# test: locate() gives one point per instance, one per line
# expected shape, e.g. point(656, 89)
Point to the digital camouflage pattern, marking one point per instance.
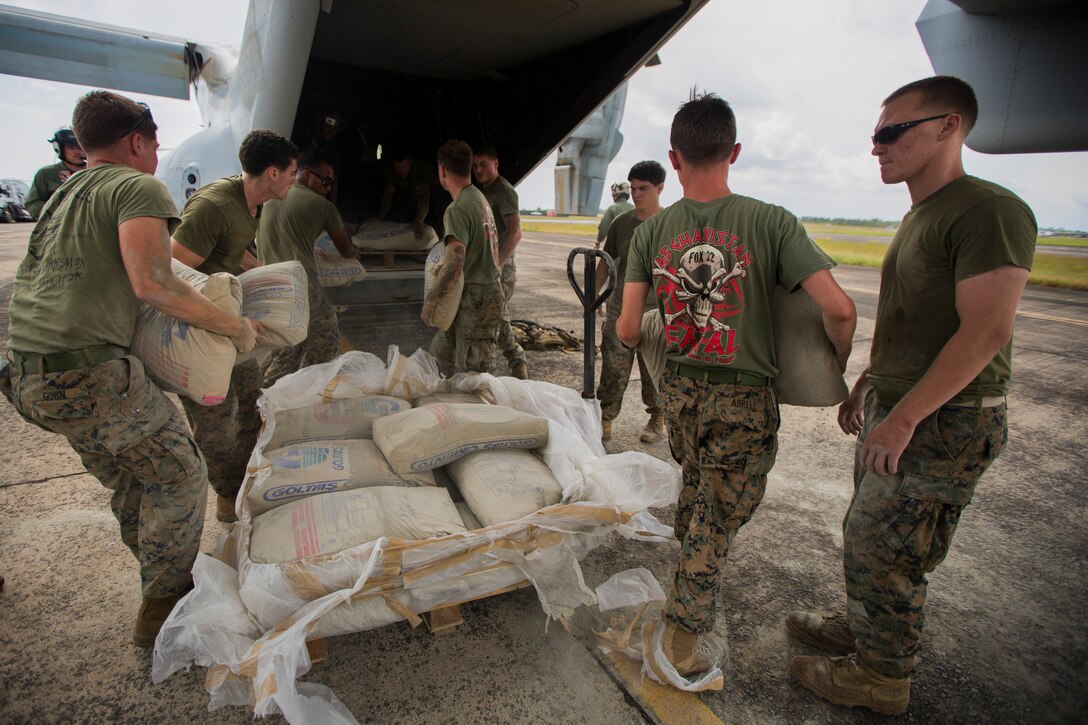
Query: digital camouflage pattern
point(469, 343)
point(725, 438)
point(133, 440)
point(507, 342)
point(227, 433)
point(322, 341)
point(899, 527)
point(616, 362)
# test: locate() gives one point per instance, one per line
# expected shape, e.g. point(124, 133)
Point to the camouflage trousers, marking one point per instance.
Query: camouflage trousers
point(469, 343)
point(507, 342)
point(899, 527)
point(227, 433)
point(725, 438)
point(133, 440)
point(322, 341)
point(616, 363)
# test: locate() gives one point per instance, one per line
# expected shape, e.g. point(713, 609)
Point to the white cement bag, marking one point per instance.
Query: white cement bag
point(424, 438)
point(275, 296)
point(652, 345)
point(393, 236)
point(324, 466)
point(333, 270)
point(448, 398)
point(334, 522)
point(445, 307)
point(467, 517)
point(505, 485)
point(188, 360)
point(337, 418)
point(808, 373)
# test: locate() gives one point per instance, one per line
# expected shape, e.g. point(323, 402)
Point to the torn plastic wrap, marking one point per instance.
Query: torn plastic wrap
point(249, 622)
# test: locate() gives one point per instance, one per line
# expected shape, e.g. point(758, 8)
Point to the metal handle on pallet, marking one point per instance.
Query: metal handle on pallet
point(590, 303)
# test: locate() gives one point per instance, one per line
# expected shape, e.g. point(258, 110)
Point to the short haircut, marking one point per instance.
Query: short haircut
point(486, 150)
point(945, 93)
point(102, 118)
point(456, 156)
point(704, 130)
point(262, 148)
point(311, 157)
point(647, 171)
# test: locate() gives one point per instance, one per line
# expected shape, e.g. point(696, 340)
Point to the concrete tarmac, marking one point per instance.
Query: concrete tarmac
point(1006, 635)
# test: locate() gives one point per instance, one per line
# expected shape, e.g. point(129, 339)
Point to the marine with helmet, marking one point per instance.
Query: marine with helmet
point(621, 195)
point(49, 178)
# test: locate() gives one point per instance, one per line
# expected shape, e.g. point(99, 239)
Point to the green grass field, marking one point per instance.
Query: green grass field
point(1064, 241)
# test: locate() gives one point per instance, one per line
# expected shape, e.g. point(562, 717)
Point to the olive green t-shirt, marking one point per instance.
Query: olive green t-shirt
point(419, 178)
point(469, 220)
point(288, 228)
point(966, 228)
point(609, 214)
point(45, 184)
point(714, 267)
point(616, 243)
point(71, 290)
point(504, 201)
point(217, 225)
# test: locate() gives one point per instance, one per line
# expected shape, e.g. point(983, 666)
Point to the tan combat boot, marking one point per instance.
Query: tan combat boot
point(520, 371)
point(654, 430)
point(606, 429)
point(847, 681)
point(153, 612)
point(224, 510)
point(830, 633)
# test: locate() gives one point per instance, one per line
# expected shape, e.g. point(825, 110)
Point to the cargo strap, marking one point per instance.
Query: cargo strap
point(716, 375)
point(24, 363)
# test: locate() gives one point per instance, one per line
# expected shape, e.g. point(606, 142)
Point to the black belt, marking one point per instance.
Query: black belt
point(30, 362)
point(716, 375)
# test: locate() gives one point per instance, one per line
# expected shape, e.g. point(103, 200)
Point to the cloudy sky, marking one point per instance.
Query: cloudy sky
point(805, 79)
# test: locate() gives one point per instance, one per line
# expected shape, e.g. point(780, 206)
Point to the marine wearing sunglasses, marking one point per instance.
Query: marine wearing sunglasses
point(891, 133)
point(326, 181)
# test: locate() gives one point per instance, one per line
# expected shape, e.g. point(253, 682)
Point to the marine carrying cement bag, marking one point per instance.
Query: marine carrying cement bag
point(446, 306)
point(323, 466)
point(808, 373)
point(504, 485)
point(424, 438)
point(333, 270)
point(333, 522)
point(393, 237)
point(338, 418)
point(187, 360)
point(275, 296)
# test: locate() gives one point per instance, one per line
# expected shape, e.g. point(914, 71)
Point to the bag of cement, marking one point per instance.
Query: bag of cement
point(504, 485)
point(333, 522)
point(412, 376)
point(275, 296)
point(424, 438)
point(467, 517)
point(808, 373)
point(188, 360)
point(333, 270)
point(324, 466)
point(433, 398)
point(652, 345)
point(337, 418)
point(445, 307)
point(393, 237)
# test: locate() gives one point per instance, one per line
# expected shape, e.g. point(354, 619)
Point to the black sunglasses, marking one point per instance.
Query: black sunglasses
point(144, 117)
point(326, 181)
point(891, 134)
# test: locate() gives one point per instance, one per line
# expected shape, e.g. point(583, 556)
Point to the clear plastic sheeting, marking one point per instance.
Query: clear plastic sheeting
point(248, 622)
point(630, 588)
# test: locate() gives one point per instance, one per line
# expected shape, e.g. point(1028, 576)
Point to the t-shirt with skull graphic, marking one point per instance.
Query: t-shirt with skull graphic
point(714, 267)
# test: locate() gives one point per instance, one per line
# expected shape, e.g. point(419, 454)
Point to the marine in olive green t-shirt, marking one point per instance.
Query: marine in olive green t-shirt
point(45, 184)
point(609, 215)
point(967, 228)
point(617, 244)
point(714, 267)
point(469, 220)
point(216, 225)
point(503, 198)
point(71, 290)
point(288, 228)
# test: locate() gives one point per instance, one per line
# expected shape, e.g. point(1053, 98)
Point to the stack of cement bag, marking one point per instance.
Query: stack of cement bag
point(197, 363)
point(333, 270)
point(378, 492)
point(384, 236)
